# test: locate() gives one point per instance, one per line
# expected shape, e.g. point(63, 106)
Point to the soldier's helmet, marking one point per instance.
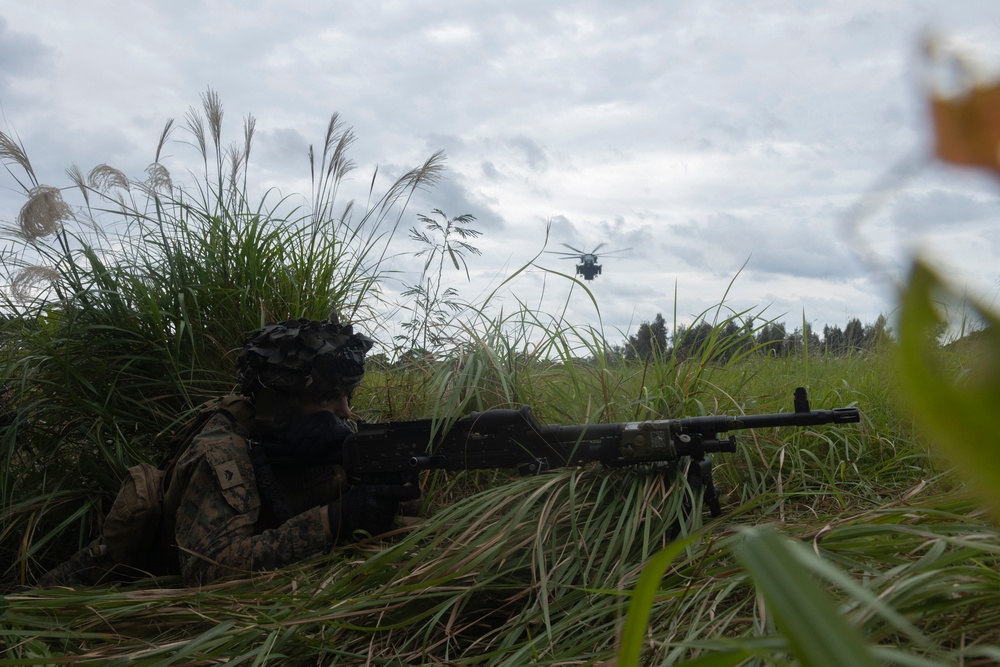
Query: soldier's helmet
point(309, 358)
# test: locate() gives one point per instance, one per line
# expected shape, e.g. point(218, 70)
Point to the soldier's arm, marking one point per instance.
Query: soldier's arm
point(220, 506)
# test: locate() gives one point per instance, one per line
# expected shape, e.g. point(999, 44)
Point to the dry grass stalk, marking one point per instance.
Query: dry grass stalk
point(213, 110)
point(12, 151)
point(164, 135)
point(25, 285)
point(159, 178)
point(80, 181)
point(43, 213)
point(104, 177)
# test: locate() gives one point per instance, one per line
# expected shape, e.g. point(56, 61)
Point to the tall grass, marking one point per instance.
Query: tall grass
point(539, 570)
point(124, 313)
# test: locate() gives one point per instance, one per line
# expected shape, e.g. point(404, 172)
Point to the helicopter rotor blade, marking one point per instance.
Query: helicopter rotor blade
point(612, 252)
point(599, 246)
point(579, 252)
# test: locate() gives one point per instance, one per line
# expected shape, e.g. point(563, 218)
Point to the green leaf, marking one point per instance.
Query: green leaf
point(804, 614)
point(959, 414)
point(637, 619)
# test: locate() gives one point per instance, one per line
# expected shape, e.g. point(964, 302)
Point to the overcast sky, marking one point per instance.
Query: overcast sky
point(702, 134)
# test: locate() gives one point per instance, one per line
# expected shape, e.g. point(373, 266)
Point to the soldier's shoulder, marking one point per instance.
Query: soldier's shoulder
point(218, 435)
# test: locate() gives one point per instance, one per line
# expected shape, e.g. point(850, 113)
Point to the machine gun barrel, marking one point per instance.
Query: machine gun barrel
point(721, 424)
point(516, 439)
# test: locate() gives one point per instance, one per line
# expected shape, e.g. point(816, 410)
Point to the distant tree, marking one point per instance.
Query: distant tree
point(772, 339)
point(691, 341)
point(876, 334)
point(730, 340)
point(378, 361)
point(649, 341)
point(798, 341)
point(811, 339)
point(833, 340)
point(658, 333)
point(815, 343)
point(747, 342)
point(640, 346)
point(735, 337)
point(613, 354)
point(854, 336)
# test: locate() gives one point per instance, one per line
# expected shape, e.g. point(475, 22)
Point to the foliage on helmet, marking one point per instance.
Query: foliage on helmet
point(303, 357)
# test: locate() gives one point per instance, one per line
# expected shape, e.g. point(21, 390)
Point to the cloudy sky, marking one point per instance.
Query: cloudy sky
point(705, 135)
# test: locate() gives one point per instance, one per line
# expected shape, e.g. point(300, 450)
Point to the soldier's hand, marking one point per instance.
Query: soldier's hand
point(369, 507)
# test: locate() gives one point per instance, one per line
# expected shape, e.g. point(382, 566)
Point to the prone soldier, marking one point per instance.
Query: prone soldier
point(255, 488)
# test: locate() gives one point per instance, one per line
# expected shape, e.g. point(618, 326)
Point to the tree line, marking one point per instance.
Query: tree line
point(741, 337)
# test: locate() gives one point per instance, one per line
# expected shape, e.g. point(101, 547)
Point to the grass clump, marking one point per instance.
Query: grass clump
point(124, 313)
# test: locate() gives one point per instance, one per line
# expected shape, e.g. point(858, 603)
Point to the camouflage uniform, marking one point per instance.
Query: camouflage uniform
point(235, 517)
point(224, 524)
point(90, 566)
point(224, 527)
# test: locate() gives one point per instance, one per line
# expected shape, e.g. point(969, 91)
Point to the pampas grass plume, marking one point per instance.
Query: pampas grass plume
point(43, 213)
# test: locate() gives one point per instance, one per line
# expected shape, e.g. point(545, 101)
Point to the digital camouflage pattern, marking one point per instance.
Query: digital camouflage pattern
point(223, 526)
point(220, 515)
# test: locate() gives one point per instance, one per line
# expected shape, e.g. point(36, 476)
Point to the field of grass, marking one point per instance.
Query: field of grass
point(542, 570)
point(858, 544)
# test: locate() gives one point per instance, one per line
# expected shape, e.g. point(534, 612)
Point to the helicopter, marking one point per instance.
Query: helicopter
point(588, 266)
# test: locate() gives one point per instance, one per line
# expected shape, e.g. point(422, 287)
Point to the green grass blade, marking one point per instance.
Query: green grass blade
point(962, 415)
point(643, 595)
point(805, 615)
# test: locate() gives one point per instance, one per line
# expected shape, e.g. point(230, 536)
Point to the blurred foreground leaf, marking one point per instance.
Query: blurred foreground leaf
point(643, 596)
point(967, 128)
point(960, 414)
point(805, 616)
point(967, 125)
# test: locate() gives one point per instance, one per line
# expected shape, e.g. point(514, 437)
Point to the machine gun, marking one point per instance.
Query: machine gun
point(515, 439)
